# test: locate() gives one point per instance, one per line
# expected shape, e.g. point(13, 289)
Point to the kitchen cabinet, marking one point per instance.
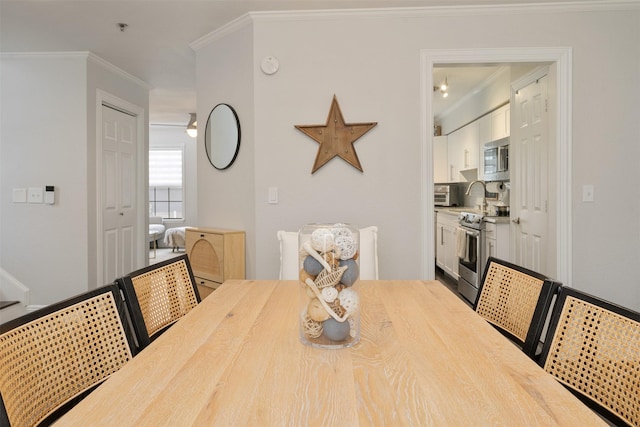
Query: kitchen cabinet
point(463, 153)
point(440, 162)
point(446, 257)
point(485, 129)
point(215, 255)
point(491, 127)
point(485, 134)
point(496, 241)
point(501, 122)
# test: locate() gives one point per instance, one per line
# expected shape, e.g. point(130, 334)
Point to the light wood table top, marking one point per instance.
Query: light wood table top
point(425, 358)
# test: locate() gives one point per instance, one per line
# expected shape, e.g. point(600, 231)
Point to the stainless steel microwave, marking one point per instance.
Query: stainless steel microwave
point(496, 160)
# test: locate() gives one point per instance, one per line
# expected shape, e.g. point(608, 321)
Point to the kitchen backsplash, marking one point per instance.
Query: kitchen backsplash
point(474, 199)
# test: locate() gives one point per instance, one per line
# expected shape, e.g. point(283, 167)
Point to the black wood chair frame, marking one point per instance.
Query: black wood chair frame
point(543, 303)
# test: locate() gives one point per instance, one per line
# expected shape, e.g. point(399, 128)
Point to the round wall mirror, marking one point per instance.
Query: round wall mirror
point(222, 136)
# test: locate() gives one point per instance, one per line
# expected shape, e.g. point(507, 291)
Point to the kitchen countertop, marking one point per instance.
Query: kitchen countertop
point(455, 210)
point(496, 219)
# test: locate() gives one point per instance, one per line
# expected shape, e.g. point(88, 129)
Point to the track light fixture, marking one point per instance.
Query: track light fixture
point(443, 88)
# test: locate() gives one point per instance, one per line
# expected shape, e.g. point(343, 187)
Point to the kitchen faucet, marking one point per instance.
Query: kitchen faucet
point(484, 194)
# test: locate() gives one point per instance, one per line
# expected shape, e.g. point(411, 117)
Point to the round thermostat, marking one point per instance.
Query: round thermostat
point(269, 65)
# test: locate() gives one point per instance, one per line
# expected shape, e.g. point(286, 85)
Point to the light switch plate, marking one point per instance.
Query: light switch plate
point(35, 194)
point(19, 195)
point(273, 196)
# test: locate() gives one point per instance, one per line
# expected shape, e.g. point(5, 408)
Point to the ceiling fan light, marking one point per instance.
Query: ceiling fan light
point(192, 126)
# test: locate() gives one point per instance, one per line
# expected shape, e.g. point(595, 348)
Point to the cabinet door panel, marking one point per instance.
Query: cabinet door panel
point(207, 257)
point(205, 287)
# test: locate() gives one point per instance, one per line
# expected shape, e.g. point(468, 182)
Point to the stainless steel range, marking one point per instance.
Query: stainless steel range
point(469, 247)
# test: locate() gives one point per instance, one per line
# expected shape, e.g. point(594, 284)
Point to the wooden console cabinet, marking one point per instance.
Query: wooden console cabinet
point(215, 256)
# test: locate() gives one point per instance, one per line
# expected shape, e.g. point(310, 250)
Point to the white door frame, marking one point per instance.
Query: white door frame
point(105, 98)
point(562, 57)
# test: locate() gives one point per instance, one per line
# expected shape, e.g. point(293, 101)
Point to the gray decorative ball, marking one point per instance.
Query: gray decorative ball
point(334, 330)
point(351, 274)
point(312, 266)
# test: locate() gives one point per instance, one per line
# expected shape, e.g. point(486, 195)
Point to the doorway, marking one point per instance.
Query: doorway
point(108, 263)
point(561, 60)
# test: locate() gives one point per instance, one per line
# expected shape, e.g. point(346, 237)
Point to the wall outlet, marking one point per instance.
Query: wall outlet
point(35, 194)
point(587, 193)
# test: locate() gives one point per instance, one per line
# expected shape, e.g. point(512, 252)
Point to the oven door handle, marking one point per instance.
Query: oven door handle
point(473, 233)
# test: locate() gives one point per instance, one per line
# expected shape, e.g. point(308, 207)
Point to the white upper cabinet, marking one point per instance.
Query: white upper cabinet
point(500, 118)
point(492, 126)
point(485, 131)
point(463, 153)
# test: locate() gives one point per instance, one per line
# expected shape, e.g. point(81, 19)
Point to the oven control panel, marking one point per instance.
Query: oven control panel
point(471, 220)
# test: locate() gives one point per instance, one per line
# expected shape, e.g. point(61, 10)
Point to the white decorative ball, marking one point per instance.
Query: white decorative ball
point(349, 299)
point(348, 246)
point(329, 294)
point(322, 240)
point(340, 229)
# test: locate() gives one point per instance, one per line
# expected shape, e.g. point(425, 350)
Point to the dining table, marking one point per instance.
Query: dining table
point(425, 358)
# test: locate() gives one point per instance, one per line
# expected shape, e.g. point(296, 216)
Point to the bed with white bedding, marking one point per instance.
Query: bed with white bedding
point(174, 238)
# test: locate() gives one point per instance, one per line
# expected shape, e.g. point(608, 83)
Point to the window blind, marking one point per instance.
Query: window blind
point(165, 168)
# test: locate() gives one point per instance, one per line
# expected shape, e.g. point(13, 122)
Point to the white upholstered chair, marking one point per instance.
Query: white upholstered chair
point(289, 254)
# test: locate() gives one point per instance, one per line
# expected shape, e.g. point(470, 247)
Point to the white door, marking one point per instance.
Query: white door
point(529, 165)
point(119, 145)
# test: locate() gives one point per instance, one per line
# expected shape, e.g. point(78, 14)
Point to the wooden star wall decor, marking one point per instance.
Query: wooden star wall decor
point(336, 137)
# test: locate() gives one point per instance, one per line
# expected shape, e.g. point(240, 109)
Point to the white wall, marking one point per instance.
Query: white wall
point(375, 75)
point(47, 137)
point(44, 143)
point(224, 74)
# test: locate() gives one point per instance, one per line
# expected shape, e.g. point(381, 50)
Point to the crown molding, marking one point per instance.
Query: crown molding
point(408, 12)
point(414, 12)
point(229, 28)
point(89, 56)
point(117, 70)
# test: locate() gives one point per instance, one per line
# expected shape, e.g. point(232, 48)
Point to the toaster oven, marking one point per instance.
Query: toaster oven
point(445, 195)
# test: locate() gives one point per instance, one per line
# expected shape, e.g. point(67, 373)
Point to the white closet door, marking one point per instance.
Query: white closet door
point(119, 212)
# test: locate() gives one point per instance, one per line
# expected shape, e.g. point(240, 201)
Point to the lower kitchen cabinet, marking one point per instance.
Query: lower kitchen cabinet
point(215, 255)
point(496, 241)
point(446, 257)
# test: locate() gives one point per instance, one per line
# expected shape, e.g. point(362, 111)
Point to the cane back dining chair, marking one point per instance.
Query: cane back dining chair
point(53, 357)
point(159, 295)
point(516, 301)
point(593, 348)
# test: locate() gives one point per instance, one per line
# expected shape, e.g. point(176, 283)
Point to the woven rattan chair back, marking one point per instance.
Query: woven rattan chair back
point(593, 348)
point(516, 301)
point(159, 295)
point(51, 358)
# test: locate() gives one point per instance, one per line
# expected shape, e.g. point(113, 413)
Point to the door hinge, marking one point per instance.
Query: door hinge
point(546, 105)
